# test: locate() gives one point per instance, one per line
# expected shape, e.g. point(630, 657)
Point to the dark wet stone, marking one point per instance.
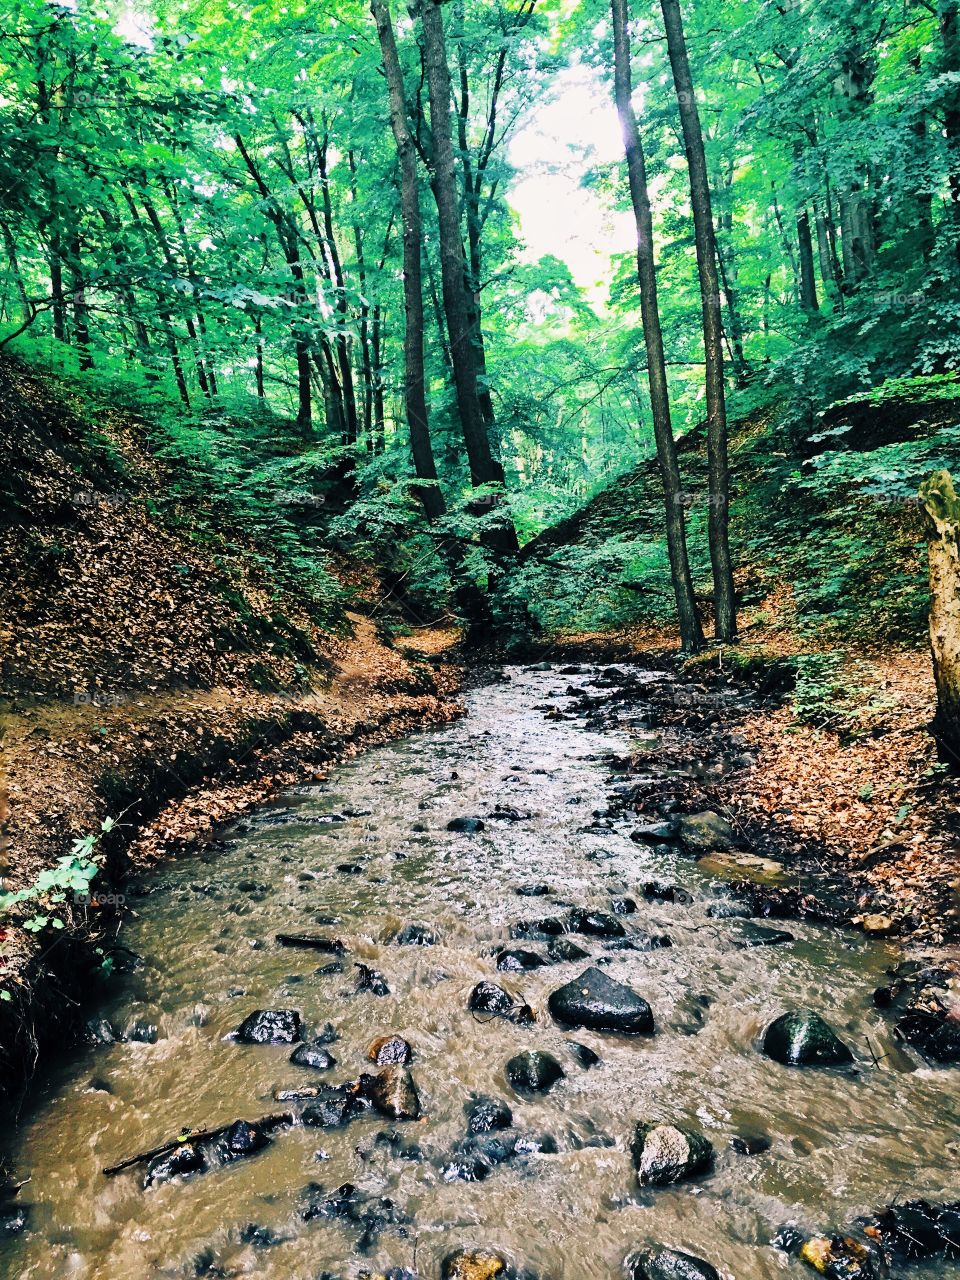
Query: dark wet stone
point(185, 1159)
point(583, 1055)
point(638, 941)
point(328, 970)
point(270, 1026)
point(466, 825)
point(705, 832)
point(516, 960)
point(749, 1144)
point(623, 906)
point(143, 1032)
point(399, 1144)
point(533, 890)
point(531, 1144)
point(370, 980)
point(801, 1038)
point(487, 997)
point(313, 1055)
point(919, 1229)
point(669, 1264)
point(533, 1071)
point(14, 1219)
point(327, 1034)
point(334, 1107)
point(350, 868)
point(547, 928)
point(477, 1156)
point(564, 949)
point(842, 1258)
point(252, 886)
point(657, 892)
point(665, 1153)
point(260, 1237)
point(485, 1114)
point(655, 833)
point(98, 1085)
point(416, 935)
point(394, 1093)
point(100, 1031)
point(242, 1139)
point(312, 942)
point(595, 924)
point(390, 1050)
point(758, 935)
point(473, 1264)
point(596, 1001)
point(932, 1032)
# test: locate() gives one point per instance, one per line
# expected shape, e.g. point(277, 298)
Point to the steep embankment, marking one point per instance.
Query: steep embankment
point(828, 537)
point(156, 674)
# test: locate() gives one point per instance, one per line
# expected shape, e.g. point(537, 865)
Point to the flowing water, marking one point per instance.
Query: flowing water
point(842, 1143)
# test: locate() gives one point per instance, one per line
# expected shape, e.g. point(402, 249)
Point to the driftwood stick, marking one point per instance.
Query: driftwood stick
point(266, 1123)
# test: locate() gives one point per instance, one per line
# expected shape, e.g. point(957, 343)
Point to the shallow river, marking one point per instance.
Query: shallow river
point(842, 1143)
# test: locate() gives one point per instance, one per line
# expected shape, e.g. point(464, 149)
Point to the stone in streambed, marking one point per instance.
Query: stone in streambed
point(533, 1072)
point(623, 906)
point(183, 1160)
point(473, 1264)
point(334, 1107)
point(533, 890)
point(705, 832)
point(564, 949)
point(371, 980)
point(242, 1139)
point(14, 1219)
point(474, 1159)
point(466, 826)
point(516, 960)
point(583, 1055)
point(758, 935)
point(665, 1153)
point(270, 1026)
point(801, 1038)
point(416, 935)
point(489, 998)
point(595, 924)
point(669, 1264)
point(547, 928)
point(313, 1055)
point(599, 1003)
point(387, 1050)
point(394, 1093)
point(839, 1258)
point(485, 1115)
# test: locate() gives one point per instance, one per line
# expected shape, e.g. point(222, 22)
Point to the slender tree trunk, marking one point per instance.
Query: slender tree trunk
point(943, 531)
point(485, 467)
point(949, 19)
point(258, 370)
point(342, 342)
point(10, 248)
point(724, 595)
point(808, 280)
point(691, 631)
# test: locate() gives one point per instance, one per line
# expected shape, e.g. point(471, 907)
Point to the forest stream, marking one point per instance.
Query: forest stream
point(358, 859)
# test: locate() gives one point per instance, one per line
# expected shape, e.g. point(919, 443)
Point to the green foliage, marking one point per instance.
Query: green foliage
point(34, 907)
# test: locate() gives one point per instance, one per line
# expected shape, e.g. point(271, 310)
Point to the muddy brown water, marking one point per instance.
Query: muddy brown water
point(842, 1143)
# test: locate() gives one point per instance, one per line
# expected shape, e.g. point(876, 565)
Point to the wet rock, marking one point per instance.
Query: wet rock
point(486, 1115)
point(669, 1264)
point(474, 1159)
point(533, 890)
point(583, 1055)
point(758, 935)
point(328, 970)
point(467, 826)
point(260, 1237)
point(918, 1229)
point(327, 1034)
point(334, 1107)
point(399, 1144)
point(595, 924)
point(330, 946)
point(97, 1084)
point(703, 832)
point(350, 868)
point(639, 941)
point(100, 1031)
point(252, 886)
point(473, 1264)
point(14, 1219)
point(801, 1038)
point(371, 980)
point(598, 1002)
point(516, 960)
point(665, 1153)
point(749, 1144)
point(931, 1027)
point(623, 906)
point(654, 891)
point(487, 997)
point(313, 1055)
point(394, 1093)
point(185, 1159)
point(416, 935)
point(547, 928)
point(270, 1026)
point(143, 1032)
point(564, 949)
point(533, 1071)
point(840, 1258)
point(655, 833)
point(390, 1050)
point(242, 1139)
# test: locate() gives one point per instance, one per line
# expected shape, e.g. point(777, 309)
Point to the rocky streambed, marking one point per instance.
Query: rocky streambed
point(488, 1003)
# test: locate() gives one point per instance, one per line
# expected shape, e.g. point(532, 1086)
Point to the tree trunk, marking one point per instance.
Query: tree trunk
point(485, 467)
point(691, 632)
point(718, 519)
point(808, 280)
point(943, 531)
point(949, 18)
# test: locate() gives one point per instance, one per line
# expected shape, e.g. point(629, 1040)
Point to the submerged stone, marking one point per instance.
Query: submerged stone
point(533, 1071)
point(665, 1153)
point(516, 960)
point(371, 980)
point(473, 1264)
point(240, 1140)
point(313, 1055)
point(596, 924)
point(270, 1026)
point(758, 935)
point(334, 1107)
point(467, 826)
point(801, 1038)
point(185, 1159)
point(390, 1049)
point(394, 1093)
point(583, 1055)
point(669, 1264)
point(488, 997)
point(565, 949)
point(598, 1002)
point(416, 935)
point(485, 1114)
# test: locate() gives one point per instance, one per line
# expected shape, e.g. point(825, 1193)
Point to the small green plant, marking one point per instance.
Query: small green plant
point(73, 873)
point(822, 692)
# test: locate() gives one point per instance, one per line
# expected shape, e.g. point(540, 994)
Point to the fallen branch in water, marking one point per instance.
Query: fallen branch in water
point(266, 1123)
point(331, 945)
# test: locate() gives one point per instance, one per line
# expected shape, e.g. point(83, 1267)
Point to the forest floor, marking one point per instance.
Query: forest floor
point(862, 810)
